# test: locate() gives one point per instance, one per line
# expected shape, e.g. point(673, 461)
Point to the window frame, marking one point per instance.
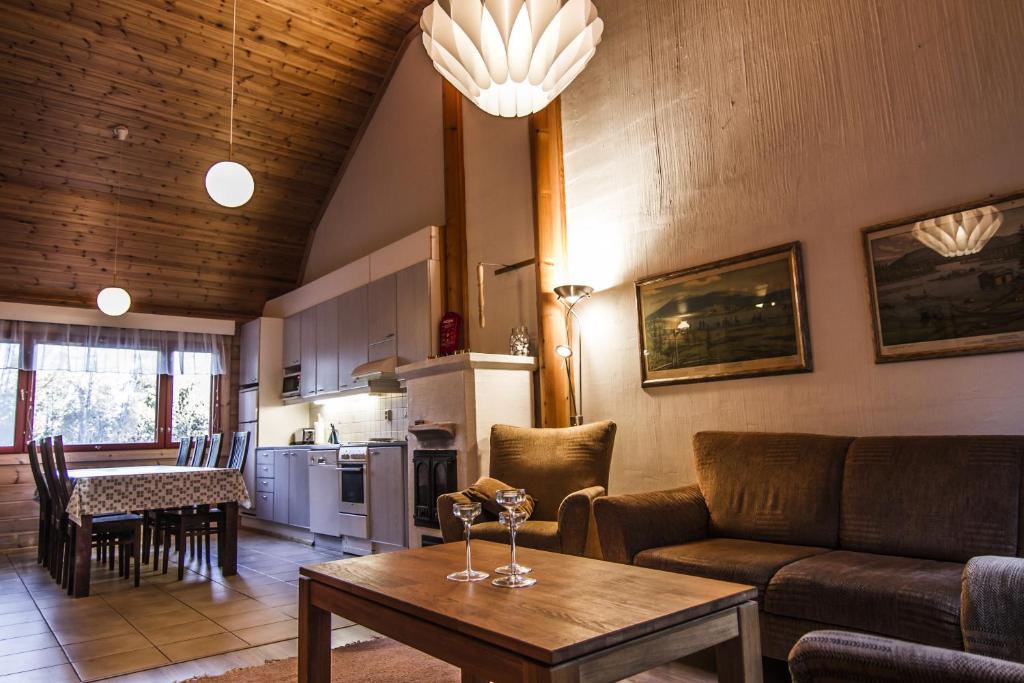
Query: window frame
point(21, 412)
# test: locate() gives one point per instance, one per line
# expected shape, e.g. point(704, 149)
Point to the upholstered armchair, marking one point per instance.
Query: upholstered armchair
point(564, 470)
point(991, 621)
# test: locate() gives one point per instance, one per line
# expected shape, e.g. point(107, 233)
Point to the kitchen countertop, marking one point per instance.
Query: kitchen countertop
point(331, 446)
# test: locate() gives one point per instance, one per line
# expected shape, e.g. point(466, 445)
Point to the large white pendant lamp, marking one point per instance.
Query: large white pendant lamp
point(960, 234)
point(511, 57)
point(229, 183)
point(114, 300)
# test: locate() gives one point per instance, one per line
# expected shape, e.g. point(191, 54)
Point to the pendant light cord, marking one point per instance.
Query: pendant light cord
point(231, 116)
point(117, 205)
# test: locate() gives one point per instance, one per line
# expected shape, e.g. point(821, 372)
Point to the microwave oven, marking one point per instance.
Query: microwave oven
point(290, 385)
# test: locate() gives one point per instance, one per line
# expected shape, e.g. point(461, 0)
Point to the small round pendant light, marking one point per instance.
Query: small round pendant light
point(229, 183)
point(114, 300)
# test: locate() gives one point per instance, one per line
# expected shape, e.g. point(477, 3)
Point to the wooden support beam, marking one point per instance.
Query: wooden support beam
point(550, 246)
point(456, 271)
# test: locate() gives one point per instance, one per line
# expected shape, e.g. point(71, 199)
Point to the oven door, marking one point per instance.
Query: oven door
point(353, 487)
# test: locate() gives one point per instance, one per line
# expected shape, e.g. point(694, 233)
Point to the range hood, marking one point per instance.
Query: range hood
point(379, 375)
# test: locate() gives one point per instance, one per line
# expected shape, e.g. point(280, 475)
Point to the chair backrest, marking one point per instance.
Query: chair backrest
point(184, 448)
point(60, 463)
point(239, 447)
point(37, 473)
point(59, 495)
point(552, 463)
point(198, 446)
point(213, 450)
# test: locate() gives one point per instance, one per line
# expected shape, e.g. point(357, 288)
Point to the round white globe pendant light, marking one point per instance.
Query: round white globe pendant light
point(114, 300)
point(229, 183)
point(511, 57)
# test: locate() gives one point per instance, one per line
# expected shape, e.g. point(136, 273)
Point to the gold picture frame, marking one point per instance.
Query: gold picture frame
point(744, 316)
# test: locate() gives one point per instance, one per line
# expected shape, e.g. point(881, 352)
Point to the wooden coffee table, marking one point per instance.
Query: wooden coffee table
point(584, 620)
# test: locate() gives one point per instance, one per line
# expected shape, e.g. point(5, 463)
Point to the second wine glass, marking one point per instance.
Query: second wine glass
point(467, 512)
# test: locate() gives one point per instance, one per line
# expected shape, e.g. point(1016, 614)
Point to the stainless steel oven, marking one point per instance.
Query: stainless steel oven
point(353, 481)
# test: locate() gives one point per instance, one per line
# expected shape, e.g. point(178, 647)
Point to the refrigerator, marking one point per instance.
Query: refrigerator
point(247, 422)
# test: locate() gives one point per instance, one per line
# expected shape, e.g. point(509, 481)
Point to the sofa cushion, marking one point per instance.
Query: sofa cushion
point(552, 463)
point(532, 534)
point(940, 497)
point(906, 598)
point(781, 488)
point(727, 559)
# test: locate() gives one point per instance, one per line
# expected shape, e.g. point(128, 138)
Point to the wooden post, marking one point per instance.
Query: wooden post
point(550, 246)
point(456, 270)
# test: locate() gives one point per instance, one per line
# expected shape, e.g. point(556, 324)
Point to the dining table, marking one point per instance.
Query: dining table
point(115, 490)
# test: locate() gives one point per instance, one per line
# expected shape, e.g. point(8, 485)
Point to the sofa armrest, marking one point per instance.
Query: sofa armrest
point(992, 607)
point(452, 528)
point(631, 523)
point(838, 656)
point(574, 519)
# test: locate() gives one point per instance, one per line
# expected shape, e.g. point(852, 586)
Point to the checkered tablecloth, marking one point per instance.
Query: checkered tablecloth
point(123, 489)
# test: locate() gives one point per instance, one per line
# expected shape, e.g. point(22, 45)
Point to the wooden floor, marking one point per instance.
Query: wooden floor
point(169, 630)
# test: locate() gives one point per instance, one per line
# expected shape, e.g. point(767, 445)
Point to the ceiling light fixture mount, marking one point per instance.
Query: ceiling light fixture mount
point(511, 57)
point(228, 182)
point(114, 300)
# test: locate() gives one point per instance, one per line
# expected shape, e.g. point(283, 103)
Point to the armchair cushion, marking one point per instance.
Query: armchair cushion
point(906, 598)
point(484, 492)
point(992, 607)
point(727, 559)
point(537, 535)
point(630, 523)
point(840, 657)
point(552, 463)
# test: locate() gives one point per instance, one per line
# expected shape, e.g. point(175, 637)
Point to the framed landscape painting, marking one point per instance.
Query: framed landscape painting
point(948, 283)
point(741, 317)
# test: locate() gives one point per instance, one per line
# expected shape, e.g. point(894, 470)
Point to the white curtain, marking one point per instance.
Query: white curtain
point(51, 346)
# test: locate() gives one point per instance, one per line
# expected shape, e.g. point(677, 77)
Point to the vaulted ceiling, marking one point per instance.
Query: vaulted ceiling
point(307, 74)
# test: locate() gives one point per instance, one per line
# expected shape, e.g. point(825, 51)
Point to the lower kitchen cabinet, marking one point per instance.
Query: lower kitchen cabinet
point(291, 487)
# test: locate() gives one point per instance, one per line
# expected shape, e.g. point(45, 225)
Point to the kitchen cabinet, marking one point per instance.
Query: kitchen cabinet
point(412, 326)
point(307, 351)
point(249, 354)
point(247, 405)
point(291, 487)
point(262, 499)
point(387, 496)
point(291, 352)
point(382, 318)
point(352, 336)
point(327, 351)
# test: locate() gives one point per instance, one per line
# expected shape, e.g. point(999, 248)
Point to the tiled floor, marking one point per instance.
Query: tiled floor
point(174, 629)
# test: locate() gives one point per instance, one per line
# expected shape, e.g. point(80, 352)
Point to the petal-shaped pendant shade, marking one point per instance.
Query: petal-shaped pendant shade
point(511, 57)
point(959, 234)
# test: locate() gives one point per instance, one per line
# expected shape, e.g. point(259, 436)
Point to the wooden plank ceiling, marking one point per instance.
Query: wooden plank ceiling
point(307, 74)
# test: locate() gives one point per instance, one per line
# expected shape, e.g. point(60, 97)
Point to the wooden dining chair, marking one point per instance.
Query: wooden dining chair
point(239, 448)
point(213, 450)
point(45, 507)
point(151, 518)
point(184, 451)
point(198, 448)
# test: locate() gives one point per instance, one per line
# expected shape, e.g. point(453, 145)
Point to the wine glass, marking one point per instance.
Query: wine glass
point(511, 499)
point(467, 512)
point(520, 516)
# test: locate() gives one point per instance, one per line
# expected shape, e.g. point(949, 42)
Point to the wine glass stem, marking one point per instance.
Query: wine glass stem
point(469, 559)
point(513, 569)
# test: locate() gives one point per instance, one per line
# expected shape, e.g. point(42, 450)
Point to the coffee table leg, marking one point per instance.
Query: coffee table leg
point(468, 677)
point(229, 556)
point(314, 638)
point(739, 659)
point(83, 561)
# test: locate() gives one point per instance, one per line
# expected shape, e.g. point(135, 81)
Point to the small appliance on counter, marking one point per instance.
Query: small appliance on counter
point(304, 437)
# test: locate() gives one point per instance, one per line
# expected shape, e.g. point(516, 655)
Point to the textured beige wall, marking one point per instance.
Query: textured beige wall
point(394, 184)
point(705, 129)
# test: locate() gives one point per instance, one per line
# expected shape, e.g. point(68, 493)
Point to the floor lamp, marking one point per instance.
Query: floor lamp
point(570, 295)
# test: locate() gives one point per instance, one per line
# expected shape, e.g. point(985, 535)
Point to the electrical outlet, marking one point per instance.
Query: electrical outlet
point(388, 415)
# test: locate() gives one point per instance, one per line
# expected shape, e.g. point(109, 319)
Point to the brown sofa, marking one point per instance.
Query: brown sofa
point(563, 469)
point(862, 534)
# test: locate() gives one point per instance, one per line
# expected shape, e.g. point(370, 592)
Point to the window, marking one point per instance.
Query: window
point(9, 387)
point(191, 395)
point(96, 396)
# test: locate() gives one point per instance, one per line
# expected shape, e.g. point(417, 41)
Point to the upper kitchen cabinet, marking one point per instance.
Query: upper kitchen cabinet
point(249, 356)
point(352, 336)
point(292, 349)
point(413, 313)
point(383, 315)
point(327, 351)
point(307, 352)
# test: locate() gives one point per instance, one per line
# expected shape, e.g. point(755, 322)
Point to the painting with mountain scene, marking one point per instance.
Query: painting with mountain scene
point(740, 317)
point(949, 283)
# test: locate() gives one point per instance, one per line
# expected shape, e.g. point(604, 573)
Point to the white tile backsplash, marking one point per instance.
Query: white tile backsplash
point(362, 417)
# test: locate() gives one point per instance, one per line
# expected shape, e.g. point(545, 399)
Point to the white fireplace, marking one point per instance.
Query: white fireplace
point(453, 403)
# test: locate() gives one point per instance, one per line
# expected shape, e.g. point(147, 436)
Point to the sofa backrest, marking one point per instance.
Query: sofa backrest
point(935, 497)
point(782, 488)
